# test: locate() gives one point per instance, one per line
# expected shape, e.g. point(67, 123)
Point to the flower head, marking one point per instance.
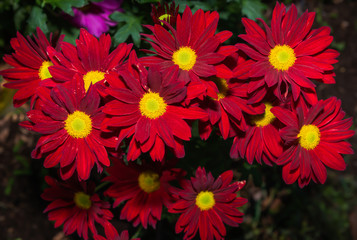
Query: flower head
point(143, 187)
point(95, 16)
point(164, 12)
point(289, 54)
point(69, 120)
point(75, 206)
point(206, 204)
point(314, 138)
point(30, 63)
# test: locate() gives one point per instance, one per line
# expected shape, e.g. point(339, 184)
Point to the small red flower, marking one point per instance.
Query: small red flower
point(191, 49)
point(75, 206)
point(30, 63)
point(314, 138)
point(206, 204)
point(144, 187)
point(70, 119)
point(289, 54)
point(164, 12)
point(148, 108)
point(91, 59)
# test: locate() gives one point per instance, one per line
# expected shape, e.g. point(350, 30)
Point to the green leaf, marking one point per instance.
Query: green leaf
point(66, 5)
point(37, 19)
point(253, 9)
point(147, 1)
point(131, 27)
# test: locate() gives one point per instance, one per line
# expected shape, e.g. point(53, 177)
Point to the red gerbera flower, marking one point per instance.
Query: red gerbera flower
point(75, 206)
point(69, 120)
point(30, 62)
point(90, 59)
point(192, 49)
point(149, 110)
point(261, 139)
point(206, 204)
point(315, 138)
point(231, 101)
point(144, 187)
point(164, 12)
point(289, 54)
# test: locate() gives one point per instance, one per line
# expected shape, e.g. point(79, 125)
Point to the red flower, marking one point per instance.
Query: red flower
point(75, 206)
point(314, 138)
point(149, 110)
point(90, 59)
point(164, 12)
point(289, 54)
point(261, 139)
point(192, 49)
point(144, 187)
point(232, 99)
point(30, 61)
point(206, 204)
point(69, 120)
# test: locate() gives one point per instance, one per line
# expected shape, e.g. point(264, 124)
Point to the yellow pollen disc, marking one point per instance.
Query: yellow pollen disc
point(205, 200)
point(152, 105)
point(309, 136)
point(222, 86)
point(78, 124)
point(92, 77)
point(43, 72)
point(264, 119)
point(165, 17)
point(149, 181)
point(82, 200)
point(282, 57)
point(185, 58)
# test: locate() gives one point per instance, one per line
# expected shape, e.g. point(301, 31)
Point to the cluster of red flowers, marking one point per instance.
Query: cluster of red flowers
point(97, 107)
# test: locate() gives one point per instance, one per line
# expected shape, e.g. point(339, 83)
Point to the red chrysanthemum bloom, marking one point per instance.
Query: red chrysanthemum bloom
point(314, 138)
point(164, 12)
point(30, 63)
point(261, 141)
point(90, 59)
point(149, 110)
point(75, 206)
point(70, 120)
point(289, 54)
point(227, 108)
point(143, 187)
point(206, 204)
point(191, 49)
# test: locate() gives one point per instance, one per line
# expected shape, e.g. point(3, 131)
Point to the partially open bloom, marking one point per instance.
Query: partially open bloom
point(289, 54)
point(30, 63)
point(69, 120)
point(206, 205)
point(191, 49)
point(90, 59)
point(95, 16)
point(149, 110)
point(314, 138)
point(143, 187)
point(164, 12)
point(75, 206)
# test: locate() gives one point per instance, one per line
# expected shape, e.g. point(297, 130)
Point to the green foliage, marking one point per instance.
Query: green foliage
point(253, 8)
point(37, 19)
point(130, 26)
point(65, 5)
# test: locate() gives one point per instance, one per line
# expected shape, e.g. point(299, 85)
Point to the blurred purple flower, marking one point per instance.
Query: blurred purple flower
point(95, 16)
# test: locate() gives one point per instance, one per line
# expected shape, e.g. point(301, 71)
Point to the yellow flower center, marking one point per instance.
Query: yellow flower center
point(205, 200)
point(222, 86)
point(185, 58)
point(43, 72)
point(149, 181)
point(165, 17)
point(309, 136)
point(92, 77)
point(282, 57)
point(78, 124)
point(264, 119)
point(152, 105)
point(82, 200)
